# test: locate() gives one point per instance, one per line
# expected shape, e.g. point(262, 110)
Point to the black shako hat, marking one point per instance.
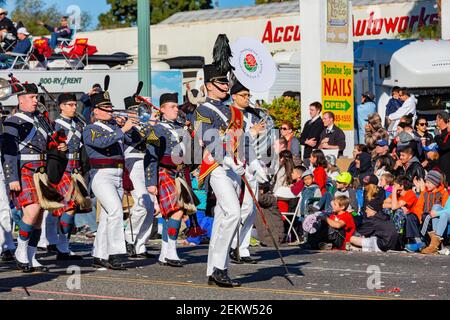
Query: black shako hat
point(102, 98)
point(25, 88)
point(131, 102)
point(212, 73)
point(66, 97)
point(238, 87)
point(168, 97)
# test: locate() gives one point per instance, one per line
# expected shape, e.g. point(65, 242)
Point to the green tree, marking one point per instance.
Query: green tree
point(29, 12)
point(269, 1)
point(285, 109)
point(123, 13)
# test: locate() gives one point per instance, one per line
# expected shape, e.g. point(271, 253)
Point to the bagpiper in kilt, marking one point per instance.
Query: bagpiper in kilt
point(168, 145)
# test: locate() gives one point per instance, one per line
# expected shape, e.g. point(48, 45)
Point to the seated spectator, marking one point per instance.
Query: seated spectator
point(297, 185)
point(319, 163)
point(363, 165)
point(409, 166)
point(343, 188)
point(381, 149)
point(8, 31)
point(332, 137)
point(63, 31)
point(371, 190)
point(293, 145)
point(22, 46)
point(336, 230)
point(356, 150)
point(387, 183)
point(377, 232)
point(283, 178)
point(384, 164)
point(440, 220)
point(407, 215)
point(332, 169)
point(310, 191)
point(422, 133)
point(374, 131)
point(431, 158)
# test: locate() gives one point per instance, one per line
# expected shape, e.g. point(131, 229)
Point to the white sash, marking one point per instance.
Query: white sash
point(33, 131)
point(174, 132)
point(71, 127)
point(216, 110)
point(104, 126)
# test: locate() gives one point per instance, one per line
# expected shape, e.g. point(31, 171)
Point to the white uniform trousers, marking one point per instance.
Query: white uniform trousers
point(108, 189)
point(142, 210)
point(226, 187)
point(49, 229)
point(248, 215)
point(6, 238)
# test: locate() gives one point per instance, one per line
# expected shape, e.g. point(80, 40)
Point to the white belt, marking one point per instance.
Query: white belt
point(33, 157)
point(73, 156)
point(135, 156)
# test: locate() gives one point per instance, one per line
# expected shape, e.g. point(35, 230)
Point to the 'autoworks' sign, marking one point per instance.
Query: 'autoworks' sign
point(383, 21)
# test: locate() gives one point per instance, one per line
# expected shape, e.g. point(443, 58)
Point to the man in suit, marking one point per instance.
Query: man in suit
point(310, 136)
point(331, 137)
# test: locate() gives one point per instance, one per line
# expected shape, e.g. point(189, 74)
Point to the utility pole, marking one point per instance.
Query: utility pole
point(144, 47)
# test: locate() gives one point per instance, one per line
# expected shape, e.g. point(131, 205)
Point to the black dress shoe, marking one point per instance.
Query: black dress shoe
point(41, 269)
point(131, 250)
point(162, 263)
point(234, 258)
point(67, 256)
point(146, 255)
point(52, 248)
point(221, 279)
point(115, 263)
point(7, 256)
point(25, 267)
point(248, 260)
point(174, 263)
point(99, 263)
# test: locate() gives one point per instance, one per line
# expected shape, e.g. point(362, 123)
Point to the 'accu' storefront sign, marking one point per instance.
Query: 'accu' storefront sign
point(373, 22)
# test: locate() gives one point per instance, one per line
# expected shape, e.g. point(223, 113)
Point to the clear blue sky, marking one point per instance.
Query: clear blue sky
point(95, 7)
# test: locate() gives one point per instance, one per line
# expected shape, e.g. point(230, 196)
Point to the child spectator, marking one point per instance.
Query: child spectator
point(310, 190)
point(403, 204)
point(387, 183)
point(363, 163)
point(319, 164)
point(297, 180)
point(343, 188)
point(383, 164)
point(377, 232)
point(440, 218)
point(332, 169)
point(283, 178)
point(336, 230)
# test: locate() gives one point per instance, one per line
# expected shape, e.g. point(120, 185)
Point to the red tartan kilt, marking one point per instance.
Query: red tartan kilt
point(28, 194)
point(168, 197)
point(63, 188)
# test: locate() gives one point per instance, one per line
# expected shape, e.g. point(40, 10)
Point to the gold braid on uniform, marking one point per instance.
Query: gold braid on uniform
point(201, 118)
point(153, 139)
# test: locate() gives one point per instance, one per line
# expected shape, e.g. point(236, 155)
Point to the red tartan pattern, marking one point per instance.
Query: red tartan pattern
point(73, 164)
point(168, 197)
point(27, 194)
point(64, 187)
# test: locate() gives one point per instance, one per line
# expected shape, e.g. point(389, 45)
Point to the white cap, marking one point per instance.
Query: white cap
point(24, 31)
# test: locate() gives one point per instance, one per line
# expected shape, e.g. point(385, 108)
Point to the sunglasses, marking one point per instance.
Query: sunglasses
point(423, 124)
point(284, 128)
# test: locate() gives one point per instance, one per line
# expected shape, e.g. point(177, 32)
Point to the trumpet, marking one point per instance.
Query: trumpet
point(143, 117)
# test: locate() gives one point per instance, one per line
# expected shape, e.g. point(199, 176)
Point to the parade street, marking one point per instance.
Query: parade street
point(315, 275)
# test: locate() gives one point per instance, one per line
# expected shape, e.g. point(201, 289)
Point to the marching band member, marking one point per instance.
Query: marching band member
point(69, 186)
point(24, 151)
point(255, 174)
point(168, 147)
point(139, 228)
point(104, 142)
point(212, 118)
point(6, 238)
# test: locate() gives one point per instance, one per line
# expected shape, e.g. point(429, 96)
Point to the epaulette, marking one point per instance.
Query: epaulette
point(201, 118)
point(153, 138)
point(95, 134)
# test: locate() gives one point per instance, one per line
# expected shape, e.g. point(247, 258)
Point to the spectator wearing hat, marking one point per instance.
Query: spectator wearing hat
point(332, 137)
point(343, 188)
point(393, 104)
point(374, 131)
point(408, 107)
point(63, 31)
point(377, 232)
point(363, 164)
point(332, 168)
point(310, 136)
point(8, 31)
point(440, 217)
point(443, 143)
point(431, 158)
point(22, 46)
point(371, 190)
point(381, 150)
point(363, 110)
point(310, 190)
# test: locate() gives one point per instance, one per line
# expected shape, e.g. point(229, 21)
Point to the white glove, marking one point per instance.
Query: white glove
point(230, 164)
point(258, 171)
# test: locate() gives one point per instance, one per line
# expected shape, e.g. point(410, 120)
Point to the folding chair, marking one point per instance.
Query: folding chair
point(290, 218)
point(66, 42)
point(79, 51)
point(21, 59)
